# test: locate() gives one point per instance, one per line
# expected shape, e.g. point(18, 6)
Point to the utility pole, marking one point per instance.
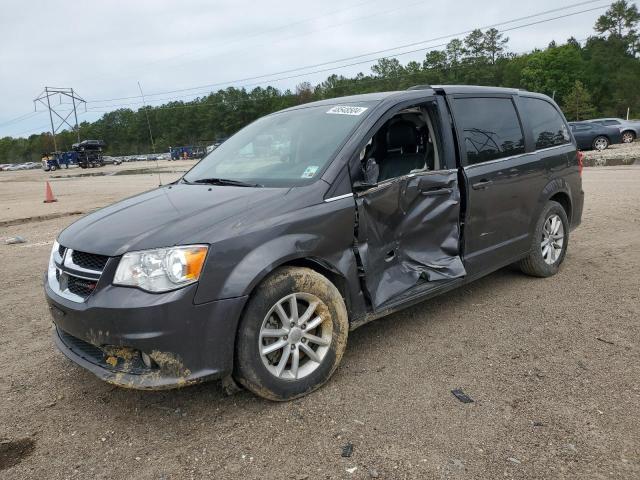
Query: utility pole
point(146, 114)
point(45, 99)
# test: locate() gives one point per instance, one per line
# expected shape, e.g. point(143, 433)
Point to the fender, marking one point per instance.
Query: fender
point(253, 268)
point(324, 238)
point(556, 185)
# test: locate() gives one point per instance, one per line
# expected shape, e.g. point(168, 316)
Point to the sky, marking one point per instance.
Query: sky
point(103, 49)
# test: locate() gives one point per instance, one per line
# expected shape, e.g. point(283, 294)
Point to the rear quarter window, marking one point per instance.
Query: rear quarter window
point(547, 126)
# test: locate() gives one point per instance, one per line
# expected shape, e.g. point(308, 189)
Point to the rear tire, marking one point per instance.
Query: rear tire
point(600, 143)
point(549, 242)
point(292, 335)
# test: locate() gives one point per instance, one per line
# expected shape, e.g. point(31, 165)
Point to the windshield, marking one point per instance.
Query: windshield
point(284, 149)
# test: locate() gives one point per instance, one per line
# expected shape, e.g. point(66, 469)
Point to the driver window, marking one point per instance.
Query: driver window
point(405, 144)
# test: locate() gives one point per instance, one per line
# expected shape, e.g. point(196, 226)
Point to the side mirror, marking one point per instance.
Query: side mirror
point(371, 171)
point(360, 185)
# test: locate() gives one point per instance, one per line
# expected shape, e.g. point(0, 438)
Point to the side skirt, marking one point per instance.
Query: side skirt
point(425, 291)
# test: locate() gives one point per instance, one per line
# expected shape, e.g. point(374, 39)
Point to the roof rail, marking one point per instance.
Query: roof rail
point(420, 87)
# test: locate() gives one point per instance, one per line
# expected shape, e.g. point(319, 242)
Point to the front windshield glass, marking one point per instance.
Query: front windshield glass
point(284, 149)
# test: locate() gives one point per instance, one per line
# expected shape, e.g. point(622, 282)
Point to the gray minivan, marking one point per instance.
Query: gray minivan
point(308, 223)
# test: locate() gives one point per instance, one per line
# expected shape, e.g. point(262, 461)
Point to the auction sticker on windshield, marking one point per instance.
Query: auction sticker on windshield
point(310, 172)
point(346, 110)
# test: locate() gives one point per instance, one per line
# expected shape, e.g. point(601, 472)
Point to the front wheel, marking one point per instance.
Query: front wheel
point(628, 137)
point(549, 244)
point(292, 335)
point(600, 143)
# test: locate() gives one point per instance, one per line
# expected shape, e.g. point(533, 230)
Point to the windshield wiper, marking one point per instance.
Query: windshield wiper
point(226, 181)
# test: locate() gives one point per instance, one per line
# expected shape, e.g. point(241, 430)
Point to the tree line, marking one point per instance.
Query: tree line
point(599, 78)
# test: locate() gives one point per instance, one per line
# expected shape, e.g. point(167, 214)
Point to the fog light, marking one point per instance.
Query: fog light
point(146, 359)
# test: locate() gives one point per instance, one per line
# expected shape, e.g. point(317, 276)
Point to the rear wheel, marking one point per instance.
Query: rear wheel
point(292, 335)
point(628, 137)
point(549, 244)
point(600, 143)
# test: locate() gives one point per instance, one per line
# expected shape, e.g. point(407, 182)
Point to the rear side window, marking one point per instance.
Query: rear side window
point(547, 125)
point(490, 127)
point(611, 122)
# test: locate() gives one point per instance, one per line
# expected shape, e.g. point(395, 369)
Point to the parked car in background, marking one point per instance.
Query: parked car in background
point(308, 223)
point(630, 129)
point(593, 136)
point(111, 160)
point(10, 167)
point(17, 166)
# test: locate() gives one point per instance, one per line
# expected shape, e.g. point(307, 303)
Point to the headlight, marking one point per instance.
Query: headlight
point(51, 271)
point(161, 269)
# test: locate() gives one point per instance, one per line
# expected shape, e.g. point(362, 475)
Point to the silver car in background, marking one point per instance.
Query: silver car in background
point(630, 129)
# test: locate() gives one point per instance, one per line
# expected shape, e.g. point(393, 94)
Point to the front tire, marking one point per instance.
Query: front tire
point(600, 143)
point(628, 137)
point(292, 335)
point(549, 243)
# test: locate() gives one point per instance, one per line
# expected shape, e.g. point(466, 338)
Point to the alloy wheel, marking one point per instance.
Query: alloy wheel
point(600, 143)
point(552, 239)
point(295, 336)
point(627, 137)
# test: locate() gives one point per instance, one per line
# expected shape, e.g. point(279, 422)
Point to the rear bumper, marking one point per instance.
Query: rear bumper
point(183, 343)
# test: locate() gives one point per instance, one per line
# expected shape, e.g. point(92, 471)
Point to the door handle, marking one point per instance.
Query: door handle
point(482, 184)
point(436, 191)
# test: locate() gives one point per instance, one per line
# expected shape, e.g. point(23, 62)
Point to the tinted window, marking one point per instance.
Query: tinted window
point(491, 128)
point(547, 125)
point(611, 122)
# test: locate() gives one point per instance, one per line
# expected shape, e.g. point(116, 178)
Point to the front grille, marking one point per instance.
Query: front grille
point(89, 260)
point(80, 347)
point(76, 273)
point(80, 286)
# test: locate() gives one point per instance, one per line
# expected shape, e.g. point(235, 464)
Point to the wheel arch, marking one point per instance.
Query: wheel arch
point(563, 199)
point(556, 190)
point(316, 264)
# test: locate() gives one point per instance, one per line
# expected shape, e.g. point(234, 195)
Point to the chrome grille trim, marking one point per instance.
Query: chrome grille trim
point(63, 268)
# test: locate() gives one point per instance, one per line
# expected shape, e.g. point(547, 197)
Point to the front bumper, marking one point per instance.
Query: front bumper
point(185, 343)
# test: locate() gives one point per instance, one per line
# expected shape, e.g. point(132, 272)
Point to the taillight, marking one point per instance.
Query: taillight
point(580, 157)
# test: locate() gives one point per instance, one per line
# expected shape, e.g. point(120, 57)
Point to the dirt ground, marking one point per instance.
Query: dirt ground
point(553, 366)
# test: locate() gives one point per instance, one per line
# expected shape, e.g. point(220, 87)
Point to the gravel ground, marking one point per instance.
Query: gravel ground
point(552, 365)
point(78, 190)
point(620, 154)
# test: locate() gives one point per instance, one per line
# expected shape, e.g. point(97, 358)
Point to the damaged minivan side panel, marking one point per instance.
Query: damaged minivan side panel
point(408, 232)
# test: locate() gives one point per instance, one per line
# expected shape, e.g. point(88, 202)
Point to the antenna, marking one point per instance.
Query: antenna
point(153, 147)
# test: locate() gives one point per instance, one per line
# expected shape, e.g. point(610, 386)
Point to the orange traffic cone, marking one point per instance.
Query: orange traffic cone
point(48, 195)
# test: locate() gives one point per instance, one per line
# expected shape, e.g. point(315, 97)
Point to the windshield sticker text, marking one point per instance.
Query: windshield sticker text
point(346, 110)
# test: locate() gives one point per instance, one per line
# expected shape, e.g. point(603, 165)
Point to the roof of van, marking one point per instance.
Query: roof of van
point(414, 92)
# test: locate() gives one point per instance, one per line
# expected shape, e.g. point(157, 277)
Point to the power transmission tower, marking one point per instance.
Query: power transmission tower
point(45, 99)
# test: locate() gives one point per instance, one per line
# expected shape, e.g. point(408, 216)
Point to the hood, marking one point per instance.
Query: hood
point(167, 216)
